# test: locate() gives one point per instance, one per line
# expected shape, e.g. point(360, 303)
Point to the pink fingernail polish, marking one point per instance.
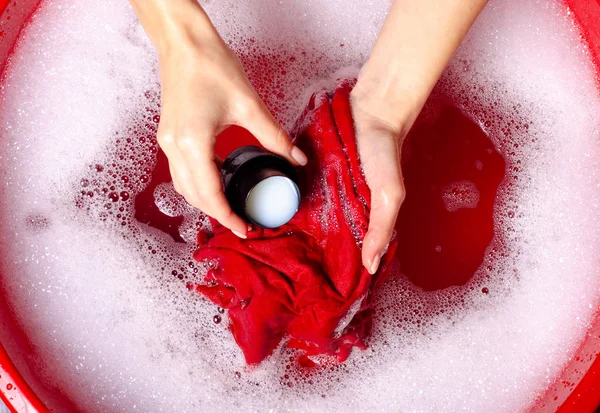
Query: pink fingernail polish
point(242, 236)
point(375, 264)
point(299, 156)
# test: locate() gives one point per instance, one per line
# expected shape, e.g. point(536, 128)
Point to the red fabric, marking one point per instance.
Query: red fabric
point(299, 281)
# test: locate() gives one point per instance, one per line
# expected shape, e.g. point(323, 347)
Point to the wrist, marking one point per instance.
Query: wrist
point(174, 24)
point(383, 93)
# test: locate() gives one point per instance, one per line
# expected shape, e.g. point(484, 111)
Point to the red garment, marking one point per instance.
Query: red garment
point(299, 282)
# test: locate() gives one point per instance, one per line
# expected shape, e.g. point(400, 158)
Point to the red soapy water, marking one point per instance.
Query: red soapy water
point(440, 245)
point(146, 210)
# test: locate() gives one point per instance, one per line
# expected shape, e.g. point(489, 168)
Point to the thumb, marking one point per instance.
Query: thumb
point(385, 204)
point(380, 157)
point(272, 136)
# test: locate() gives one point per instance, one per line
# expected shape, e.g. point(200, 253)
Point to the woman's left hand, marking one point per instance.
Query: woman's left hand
point(416, 42)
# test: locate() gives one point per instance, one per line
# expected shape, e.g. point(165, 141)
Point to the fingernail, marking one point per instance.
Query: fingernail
point(375, 264)
point(239, 234)
point(299, 156)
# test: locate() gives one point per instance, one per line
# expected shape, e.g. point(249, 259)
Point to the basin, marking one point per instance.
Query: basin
point(22, 389)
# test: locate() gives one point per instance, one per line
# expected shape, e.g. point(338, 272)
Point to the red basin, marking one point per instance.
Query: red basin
point(576, 390)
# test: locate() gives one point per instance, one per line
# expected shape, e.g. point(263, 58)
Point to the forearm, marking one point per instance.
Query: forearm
point(416, 42)
point(168, 22)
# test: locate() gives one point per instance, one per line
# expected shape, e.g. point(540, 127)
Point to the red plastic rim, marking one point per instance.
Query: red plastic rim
point(16, 394)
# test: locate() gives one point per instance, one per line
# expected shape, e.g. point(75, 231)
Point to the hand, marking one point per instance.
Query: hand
point(204, 90)
point(379, 144)
point(416, 42)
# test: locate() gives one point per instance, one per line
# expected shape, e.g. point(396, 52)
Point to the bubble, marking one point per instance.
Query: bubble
point(460, 194)
point(37, 222)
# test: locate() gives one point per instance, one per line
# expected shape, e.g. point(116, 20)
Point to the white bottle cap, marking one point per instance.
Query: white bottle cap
point(273, 202)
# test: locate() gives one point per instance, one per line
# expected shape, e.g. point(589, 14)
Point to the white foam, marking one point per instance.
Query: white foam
point(103, 298)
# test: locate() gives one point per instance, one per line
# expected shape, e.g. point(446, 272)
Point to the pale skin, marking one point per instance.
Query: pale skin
point(205, 90)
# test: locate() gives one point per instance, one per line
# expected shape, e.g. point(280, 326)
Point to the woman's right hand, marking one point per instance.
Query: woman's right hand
point(204, 91)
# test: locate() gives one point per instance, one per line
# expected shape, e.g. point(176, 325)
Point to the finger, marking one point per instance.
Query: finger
point(379, 153)
point(220, 210)
point(385, 204)
point(182, 180)
point(174, 179)
point(260, 123)
point(185, 182)
point(207, 184)
point(215, 203)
